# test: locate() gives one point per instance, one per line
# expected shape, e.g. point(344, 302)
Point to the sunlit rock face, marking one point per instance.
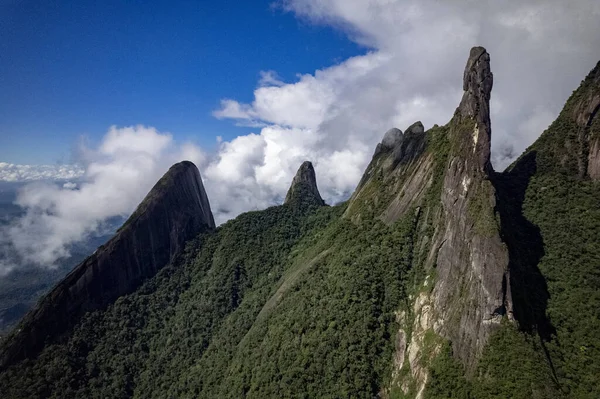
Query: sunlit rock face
point(472, 293)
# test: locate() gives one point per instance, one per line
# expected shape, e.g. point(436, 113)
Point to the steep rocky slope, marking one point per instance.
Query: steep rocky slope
point(174, 211)
point(445, 175)
point(438, 278)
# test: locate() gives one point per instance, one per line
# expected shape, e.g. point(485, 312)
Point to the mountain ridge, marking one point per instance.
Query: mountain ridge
point(438, 278)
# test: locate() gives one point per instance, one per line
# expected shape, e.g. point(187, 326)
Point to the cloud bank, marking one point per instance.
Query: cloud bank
point(540, 51)
point(415, 52)
point(11, 172)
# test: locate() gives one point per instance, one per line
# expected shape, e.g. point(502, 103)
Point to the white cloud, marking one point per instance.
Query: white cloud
point(119, 173)
point(135, 141)
point(540, 51)
point(18, 173)
point(234, 110)
point(270, 78)
point(411, 70)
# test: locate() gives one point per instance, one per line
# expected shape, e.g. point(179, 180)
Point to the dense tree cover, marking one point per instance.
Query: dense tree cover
point(169, 321)
point(447, 377)
point(290, 301)
point(513, 366)
point(567, 211)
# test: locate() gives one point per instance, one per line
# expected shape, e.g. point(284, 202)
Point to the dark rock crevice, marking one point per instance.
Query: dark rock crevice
point(501, 310)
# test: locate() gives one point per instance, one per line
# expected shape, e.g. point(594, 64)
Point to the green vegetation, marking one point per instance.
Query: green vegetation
point(200, 328)
point(514, 366)
point(568, 214)
point(447, 377)
point(482, 210)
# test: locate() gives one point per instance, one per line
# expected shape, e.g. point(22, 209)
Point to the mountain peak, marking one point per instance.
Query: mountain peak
point(475, 104)
point(477, 83)
point(416, 128)
point(304, 186)
point(181, 176)
point(173, 212)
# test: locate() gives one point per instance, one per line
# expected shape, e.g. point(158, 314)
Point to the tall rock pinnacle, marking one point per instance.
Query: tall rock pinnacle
point(174, 211)
point(304, 186)
point(472, 260)
point(477, 85)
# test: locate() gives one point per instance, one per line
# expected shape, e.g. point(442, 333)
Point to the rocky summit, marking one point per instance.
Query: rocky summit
point(438, 278)
point(304, 186)
point(175, 210)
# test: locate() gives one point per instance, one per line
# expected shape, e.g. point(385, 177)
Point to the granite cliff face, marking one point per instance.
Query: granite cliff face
point(444, 175)
point(472, 291)
point(174, 211)
point(399, 171)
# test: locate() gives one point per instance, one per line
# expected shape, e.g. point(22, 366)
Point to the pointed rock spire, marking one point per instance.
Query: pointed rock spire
point(475, 104)
point(477, 85)
point(304, 186)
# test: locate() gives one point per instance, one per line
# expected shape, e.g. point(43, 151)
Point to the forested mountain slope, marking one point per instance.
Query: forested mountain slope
point(438, 278)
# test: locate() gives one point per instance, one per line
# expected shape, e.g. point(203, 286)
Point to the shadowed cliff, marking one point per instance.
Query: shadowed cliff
point(175, 210)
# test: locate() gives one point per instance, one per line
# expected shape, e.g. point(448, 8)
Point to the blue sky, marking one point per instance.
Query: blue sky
point(72, 68)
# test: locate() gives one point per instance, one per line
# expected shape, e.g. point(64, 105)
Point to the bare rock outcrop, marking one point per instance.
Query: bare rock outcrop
point(466, 292)
point(472, 291)
point(304, 187)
